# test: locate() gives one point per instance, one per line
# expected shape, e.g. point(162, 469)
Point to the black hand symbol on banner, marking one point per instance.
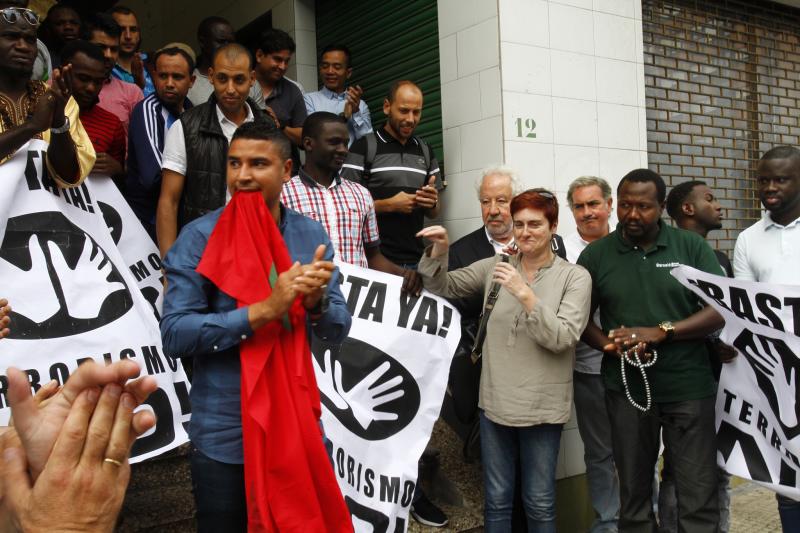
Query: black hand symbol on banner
point(776, 368)
point(371, 393)
point(365, 397)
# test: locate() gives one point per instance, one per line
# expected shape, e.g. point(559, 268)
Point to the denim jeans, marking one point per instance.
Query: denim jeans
point(219, 494)
point(594, 427)
point(537, 449)
point(689, 437)
point(789, 511)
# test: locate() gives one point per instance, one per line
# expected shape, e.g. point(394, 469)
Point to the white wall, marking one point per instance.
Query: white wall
point(177, 20)
point(576, 69)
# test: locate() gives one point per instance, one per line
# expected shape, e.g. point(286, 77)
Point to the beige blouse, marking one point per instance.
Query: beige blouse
point(528, 358)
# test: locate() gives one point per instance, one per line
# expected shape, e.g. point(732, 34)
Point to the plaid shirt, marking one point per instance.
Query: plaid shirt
point(345, 209)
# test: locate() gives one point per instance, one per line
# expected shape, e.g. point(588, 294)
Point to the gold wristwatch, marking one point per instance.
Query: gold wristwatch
point(668, 328)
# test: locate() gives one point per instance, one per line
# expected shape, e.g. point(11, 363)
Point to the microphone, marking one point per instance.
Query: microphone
point(494, 290)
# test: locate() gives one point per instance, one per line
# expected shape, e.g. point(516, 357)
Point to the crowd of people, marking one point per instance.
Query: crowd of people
point(192, 139)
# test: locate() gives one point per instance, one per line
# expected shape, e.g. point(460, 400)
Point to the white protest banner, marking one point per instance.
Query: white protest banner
point(138, 250)
point(758, 422)
point(382, 391)
point(73, 295)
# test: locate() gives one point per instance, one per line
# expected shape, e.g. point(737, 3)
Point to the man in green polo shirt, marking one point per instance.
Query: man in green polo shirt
point(642, 307)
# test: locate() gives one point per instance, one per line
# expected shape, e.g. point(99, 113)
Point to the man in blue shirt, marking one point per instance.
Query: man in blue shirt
point(335, 96)
point(150, 120)
point(130, 63)
point(205, 324)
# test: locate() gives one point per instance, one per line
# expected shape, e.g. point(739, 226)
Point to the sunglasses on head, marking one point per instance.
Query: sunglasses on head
point(543, 193)
point(12, 14)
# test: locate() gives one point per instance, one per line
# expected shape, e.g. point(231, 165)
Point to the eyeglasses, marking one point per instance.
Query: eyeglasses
point(12, 14)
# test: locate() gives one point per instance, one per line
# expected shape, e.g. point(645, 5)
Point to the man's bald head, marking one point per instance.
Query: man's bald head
point(232, 53)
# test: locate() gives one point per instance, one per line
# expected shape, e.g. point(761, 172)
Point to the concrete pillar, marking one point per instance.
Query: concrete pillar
point(552, 88)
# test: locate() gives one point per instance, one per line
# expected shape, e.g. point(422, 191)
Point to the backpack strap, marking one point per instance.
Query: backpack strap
point(369, 157)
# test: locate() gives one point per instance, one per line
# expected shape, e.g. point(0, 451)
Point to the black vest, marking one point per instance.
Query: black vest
point(206, 160)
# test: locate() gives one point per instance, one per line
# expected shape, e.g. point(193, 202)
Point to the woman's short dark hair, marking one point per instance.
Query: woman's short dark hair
point(539, 200)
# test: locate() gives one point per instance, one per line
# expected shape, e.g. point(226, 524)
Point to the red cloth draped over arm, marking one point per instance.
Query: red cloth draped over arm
point(289, 481)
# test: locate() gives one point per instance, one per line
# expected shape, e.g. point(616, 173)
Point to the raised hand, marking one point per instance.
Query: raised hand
point(31, 290)
point(85, 287)
point(437, 235)
point(352, 100)
point(427, 197)
point(313, 282)
point(61, 90)
point(38, 425)
point(366, 396)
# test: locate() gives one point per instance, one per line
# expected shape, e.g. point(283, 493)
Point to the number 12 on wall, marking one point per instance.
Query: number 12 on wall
point(525, 128)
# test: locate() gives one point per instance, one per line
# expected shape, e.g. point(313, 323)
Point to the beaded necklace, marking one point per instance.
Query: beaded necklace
point(636, 362)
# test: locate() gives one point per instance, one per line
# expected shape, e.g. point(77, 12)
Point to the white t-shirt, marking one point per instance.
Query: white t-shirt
point(587, 359)
point(201, 89)
point(174, 157)
point(768, 252)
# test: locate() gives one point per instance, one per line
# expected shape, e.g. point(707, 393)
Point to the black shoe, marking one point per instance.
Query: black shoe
point(426, 513)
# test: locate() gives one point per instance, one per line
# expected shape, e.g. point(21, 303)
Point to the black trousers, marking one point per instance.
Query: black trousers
point(689, 433)
point(219, 494)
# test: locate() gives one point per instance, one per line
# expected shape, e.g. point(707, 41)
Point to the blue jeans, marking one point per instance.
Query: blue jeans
point(219, 494)
point(594, 427)
point(537, 449)
point(789, 511)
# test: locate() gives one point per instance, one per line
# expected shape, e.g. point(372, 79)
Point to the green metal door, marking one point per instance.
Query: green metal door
point(389, 41)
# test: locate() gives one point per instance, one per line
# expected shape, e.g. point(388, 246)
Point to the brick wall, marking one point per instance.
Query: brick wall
point(721, 85)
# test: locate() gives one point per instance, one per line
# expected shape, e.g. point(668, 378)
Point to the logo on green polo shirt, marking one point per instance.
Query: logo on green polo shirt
point(668, 265)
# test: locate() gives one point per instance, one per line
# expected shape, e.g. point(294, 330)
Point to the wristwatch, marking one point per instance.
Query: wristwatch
point(668, 328)
point(64, 128)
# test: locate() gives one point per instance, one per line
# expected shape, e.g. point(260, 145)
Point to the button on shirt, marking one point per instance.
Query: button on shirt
point(359, 123)
point(768, 252)
point(174, 157)
point(344, 208)
point(203, 323)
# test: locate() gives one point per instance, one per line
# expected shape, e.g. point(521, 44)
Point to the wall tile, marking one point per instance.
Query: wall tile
point(458, 200)
point(526, 69)
point(618, 126)
point(304, 17)
point(614, 164)
point(457, 15)
point(459, 227)
point(639, 40)
point(573, 161)
point(584, 4)
point(573, 75)
point(524, 22)
point(478, 48)
point(574, 463)
point(623, 8)
point(524, 107)
point(617, 82)
point(614, 37)
point(448, 59)
point(637, 9)
point(491, 93)
point(306, 41)
point(571, 29)
point(461, 101)
point(481, 143)
point(574, 122)
point(534, 162)
point(451, 139)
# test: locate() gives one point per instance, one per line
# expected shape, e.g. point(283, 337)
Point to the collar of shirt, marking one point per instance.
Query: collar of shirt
point(306, 178)
point(223, 120)
point(332, 95)
point(385, 137)
point(498, 246)
point(769, 223)
point(624, 246)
